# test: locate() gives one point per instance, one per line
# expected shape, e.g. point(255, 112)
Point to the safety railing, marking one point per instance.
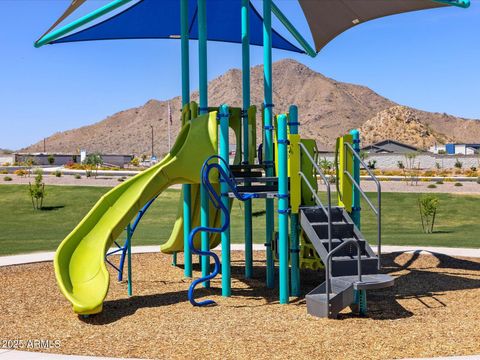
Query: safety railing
point(377, 210)
point(328, 268)
point(328, 210)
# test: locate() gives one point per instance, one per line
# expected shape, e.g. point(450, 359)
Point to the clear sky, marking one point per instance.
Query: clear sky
point(429, 60)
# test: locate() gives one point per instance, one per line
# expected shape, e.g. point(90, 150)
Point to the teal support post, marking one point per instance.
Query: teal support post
point(225, 237)
point(202, 56)
point(174, 259)
point(293, 31)
point(268, 137)
point(203, 95)
point(204, 218)
point(246, 105)
point(187, 189)
point(283, 208)
point(294, 221)
point(129, 260)
point(356, 208)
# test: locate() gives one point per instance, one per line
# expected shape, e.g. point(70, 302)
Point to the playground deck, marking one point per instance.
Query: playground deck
point(158, 322)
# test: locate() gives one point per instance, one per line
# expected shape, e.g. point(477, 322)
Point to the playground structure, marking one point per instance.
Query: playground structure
point(310, 232)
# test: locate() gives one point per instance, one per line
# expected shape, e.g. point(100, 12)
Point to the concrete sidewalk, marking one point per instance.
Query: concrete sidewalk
point(48, 256)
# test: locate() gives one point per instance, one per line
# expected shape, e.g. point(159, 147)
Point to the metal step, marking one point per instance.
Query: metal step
point(246, 167)
point(347, 265)
point(340, 230)
point(246, 174)
point(257, 188)
point(342, 293)
point(260, 179)
point(341, 296)
point(258, 195)
point(349, 250)
point(317, 215)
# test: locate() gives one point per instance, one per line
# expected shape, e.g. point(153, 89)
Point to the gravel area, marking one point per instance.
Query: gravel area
point(432, 311)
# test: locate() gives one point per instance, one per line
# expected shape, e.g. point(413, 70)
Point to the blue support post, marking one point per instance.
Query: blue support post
point(246, 105)
point(225, 236)
point(187, 190)
point(129, 259)
point(268, 140)
point(203, 95)
point(283, 208)
point(294, 219)
point(356, 208)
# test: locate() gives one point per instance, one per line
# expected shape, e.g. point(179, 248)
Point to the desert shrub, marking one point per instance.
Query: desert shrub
point(135, 161)
point(437, 165)
point(88, 173)
point(400, 165)
point(122, 179)
point(458, 164)
point(428, 206)
point(51, 159)
point(432, 186)
point(6, 164)
point(372, 164)
point(429, 173)
point(473, 168)
point(439, 182)
point(7, 178)
point(77, 176)
point(21, 172)
point(458, 184)
point(58, 173)
point(470, 173)
point(3, 172)
point(37, 190)
point(93, 161)
point(441, 152)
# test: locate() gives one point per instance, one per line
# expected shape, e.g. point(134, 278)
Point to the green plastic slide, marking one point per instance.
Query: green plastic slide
point(79, 262)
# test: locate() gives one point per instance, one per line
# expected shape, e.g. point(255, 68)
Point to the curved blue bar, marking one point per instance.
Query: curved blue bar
point(217, 202)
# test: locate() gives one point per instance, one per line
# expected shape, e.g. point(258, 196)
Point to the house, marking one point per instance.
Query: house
point(456, 149)
point(389, 147)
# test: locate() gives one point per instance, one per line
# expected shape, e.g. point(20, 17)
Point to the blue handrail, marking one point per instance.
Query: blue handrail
point(124, 248)
point(217, 202)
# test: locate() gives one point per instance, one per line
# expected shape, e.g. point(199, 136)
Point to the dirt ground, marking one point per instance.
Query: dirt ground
point(432, 311)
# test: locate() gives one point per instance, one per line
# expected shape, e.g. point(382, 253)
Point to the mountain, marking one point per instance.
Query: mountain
point(327, 109)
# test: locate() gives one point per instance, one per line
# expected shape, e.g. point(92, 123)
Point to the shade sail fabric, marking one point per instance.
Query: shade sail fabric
point(329, 18)
point(154, 19)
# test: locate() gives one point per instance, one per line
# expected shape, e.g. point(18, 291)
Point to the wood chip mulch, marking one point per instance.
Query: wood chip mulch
point(433, 310)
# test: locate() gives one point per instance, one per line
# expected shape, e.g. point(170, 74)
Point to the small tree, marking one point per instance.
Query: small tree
point(458, 164)
point(411, 169)
point(93, 161)
point(400, 165)
point(51, 159)
point(428, 205)
point(37, 190)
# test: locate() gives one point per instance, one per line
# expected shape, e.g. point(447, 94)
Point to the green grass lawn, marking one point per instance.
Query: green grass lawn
point(24, 230)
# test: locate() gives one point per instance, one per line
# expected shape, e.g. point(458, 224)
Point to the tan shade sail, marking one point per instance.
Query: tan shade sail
point(329, 18)
point(73, 6)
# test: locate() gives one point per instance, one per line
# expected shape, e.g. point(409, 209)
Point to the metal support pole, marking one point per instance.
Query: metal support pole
point(246, 105)
point(174, 259)
point(187, 190)
point(203, 95)
point(268, 137)
point(225, 237)
point(283, 208)
point(294, 217)
point(356, 176)
point(129, 260)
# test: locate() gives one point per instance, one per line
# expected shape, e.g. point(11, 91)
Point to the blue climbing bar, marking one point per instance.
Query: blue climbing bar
point(356, 208)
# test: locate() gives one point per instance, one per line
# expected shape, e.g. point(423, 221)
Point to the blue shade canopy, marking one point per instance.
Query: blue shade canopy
point(155, 19)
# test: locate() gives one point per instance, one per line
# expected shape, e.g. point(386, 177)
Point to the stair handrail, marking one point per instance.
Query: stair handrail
point(377, 210)
point(229, 179)
point(328, 267)
point(328, 212)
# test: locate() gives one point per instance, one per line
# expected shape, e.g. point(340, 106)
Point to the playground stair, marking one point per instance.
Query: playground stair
point(344, 281)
